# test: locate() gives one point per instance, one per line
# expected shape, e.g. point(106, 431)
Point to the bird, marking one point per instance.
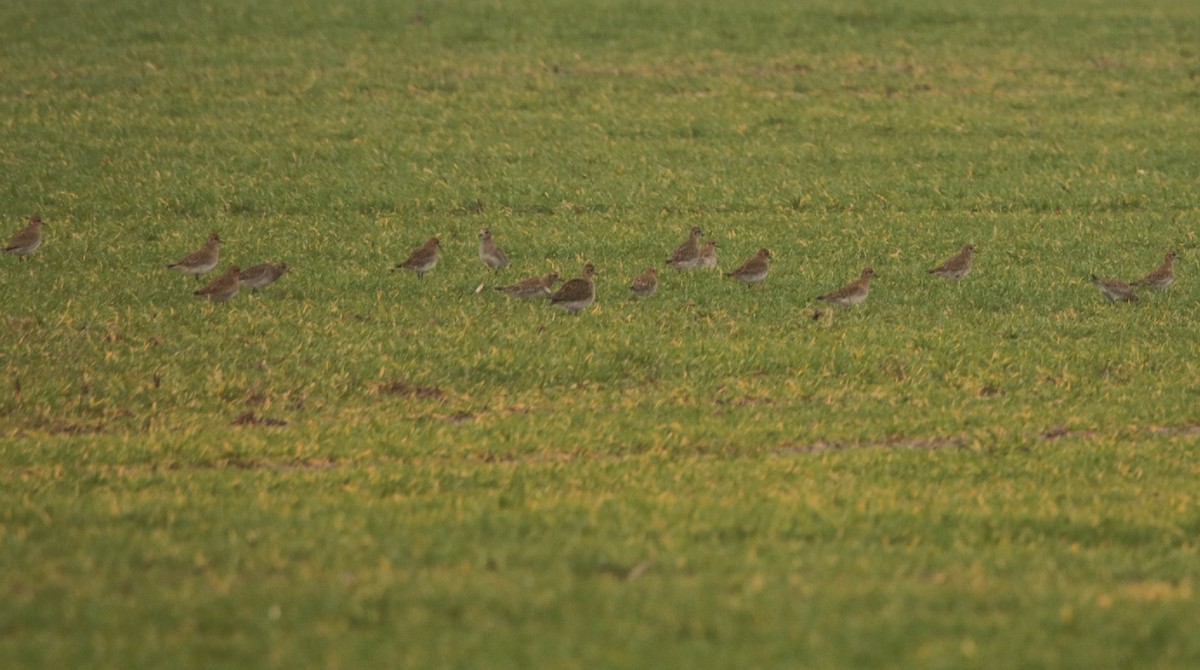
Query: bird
point(1162, 276)
point(685, 255)
point(201, 260)
point(957, 267)
point(422, 259)
point(577, 294)
point(261, 275)
point(224, 287)
point(491, 254)
point(645, 284)
point(708, 255)
point(26, 240)
point(1115, 291)
point(531, 288)
point(853, 293)
point(754, 269)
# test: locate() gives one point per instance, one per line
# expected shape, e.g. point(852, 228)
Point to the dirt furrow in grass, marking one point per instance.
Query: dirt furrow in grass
point(233, 461)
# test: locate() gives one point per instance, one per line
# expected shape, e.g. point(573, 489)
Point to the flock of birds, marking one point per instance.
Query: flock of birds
point(227, 285)
point(579, 293)
point(203, 260)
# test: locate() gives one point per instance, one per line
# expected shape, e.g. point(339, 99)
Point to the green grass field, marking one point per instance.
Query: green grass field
point(355, 468)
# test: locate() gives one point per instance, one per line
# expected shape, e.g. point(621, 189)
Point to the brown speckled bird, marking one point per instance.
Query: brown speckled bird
point(423, 259)
point(1115, 291)
point(201, 260)
point(531, 288)
point(645, 284)
point(685, 255)
point(224, 287)
point(754, 270)
point(577, 294)
point(708, 256)
point(491, 254)
point(263, 274)
point(26, 240)
point(853, 293)
point(1162, 276)
point(957, 267)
